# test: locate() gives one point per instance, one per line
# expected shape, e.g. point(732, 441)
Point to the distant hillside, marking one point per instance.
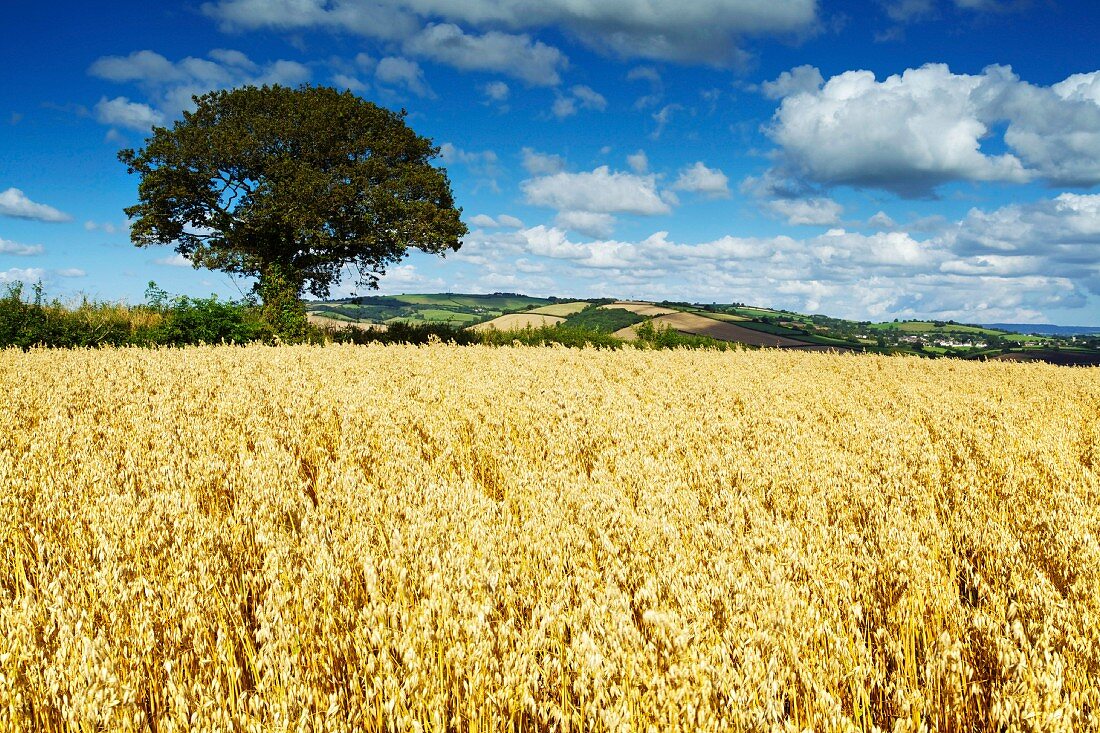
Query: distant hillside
point(1045, 329)
point(451, 308)
point(752, 326)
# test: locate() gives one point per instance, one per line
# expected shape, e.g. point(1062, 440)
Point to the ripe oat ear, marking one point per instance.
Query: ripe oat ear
point(474, 538)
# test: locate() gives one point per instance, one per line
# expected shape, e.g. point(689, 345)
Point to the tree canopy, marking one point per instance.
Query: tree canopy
point(294, 186)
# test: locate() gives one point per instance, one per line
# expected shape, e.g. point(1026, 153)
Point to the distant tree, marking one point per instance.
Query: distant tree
point(292, 186)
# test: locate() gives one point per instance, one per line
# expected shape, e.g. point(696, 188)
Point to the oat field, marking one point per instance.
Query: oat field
point(451, 538)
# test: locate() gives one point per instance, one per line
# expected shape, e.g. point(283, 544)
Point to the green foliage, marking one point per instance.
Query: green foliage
point(604, 320)
point(653, 336)
point(279, 289)
point(25, 323)
point(400, 332)
point(163, 320)
point(292, 186)
point(187, 320)
point(450, 308)
point(772, 329)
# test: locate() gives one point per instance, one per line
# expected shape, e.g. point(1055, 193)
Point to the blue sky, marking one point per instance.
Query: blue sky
point(871, 160)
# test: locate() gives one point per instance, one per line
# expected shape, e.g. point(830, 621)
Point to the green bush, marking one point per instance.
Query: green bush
point(204, 320)
point(604, 320)
point(25, 323)
point(164, 320)
point(397, 332)
point(663, 337)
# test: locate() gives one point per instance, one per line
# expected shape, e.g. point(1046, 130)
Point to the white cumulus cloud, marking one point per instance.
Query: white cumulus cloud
point(698, 178)
point(496, 91)
point(121, 112)
point(8, 247)
point(14, 203)
point(518, 56)
point(541, 164)
point(800, 79)
point(1013, 263)
point(817, 210)
point(25, 275)
point(174, 260)
point(170, 85)
point(601, 191)
point(708, 31)
point(912, 132)
point(483, 220)
point(402, 72)
point(586, 222)
point(907, 133)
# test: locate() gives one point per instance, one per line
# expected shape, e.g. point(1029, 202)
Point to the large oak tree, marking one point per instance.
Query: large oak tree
point(294, 186)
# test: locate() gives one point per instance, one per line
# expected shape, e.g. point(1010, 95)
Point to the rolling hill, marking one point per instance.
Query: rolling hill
point(752, 326)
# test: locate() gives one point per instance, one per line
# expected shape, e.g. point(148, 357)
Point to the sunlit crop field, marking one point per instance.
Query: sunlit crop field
point(475, 538)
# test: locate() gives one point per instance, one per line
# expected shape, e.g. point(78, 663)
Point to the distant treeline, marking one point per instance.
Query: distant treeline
point(29, 319)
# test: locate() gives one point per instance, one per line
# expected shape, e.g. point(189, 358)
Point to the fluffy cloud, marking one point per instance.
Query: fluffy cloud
point(8, 247)
point(908, 133)
point(1011, 263)
point(515, 55)
point(818, 210)
point(384, 20)
point(912, 132)
point(586, 222)
point(697, 178)
point(794, 201)
point(504, 220)
point(589, 98)
point(22, 274)
point(106, 227)
point(349, 82)
point(483, 220)
point(403, 278)
point(580, 96)
point(483, 163)
point(144, 66)
point(1055, 130)
point(1064, 232)
point(564, 107)
point(701, 31)
point(174, 260)
point(881, 220)
point(601, 191)
point(496, 91)
point(15, 203)
point(542, 164)
point(796, 81)
point(638, 162)
point(401, 72)
point(121, 112)
point(170, 85)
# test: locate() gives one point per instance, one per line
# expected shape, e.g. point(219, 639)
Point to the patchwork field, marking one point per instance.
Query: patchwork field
point(473, 538)
point(317, 320)
point(514, 321)
point(642, 309)
point(561, 309)
point(716, 329)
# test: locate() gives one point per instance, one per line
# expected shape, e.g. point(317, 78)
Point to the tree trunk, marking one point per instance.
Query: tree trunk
point(280, 288)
